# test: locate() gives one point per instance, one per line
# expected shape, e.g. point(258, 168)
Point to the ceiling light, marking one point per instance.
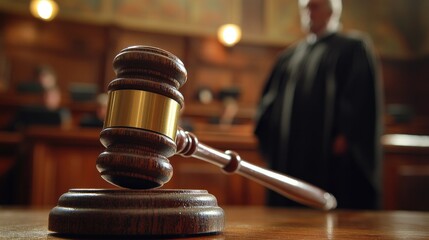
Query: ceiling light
point(44, 9)
point(229, 34)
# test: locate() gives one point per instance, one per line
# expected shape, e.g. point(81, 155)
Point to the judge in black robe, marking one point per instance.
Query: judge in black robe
point(319, 118)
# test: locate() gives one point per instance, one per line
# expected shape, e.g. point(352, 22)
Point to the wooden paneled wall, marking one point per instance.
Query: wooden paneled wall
point(75, 51)
point(83, 53)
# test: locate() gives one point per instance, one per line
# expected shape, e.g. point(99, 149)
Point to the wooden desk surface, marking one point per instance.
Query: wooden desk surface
point(263, 223)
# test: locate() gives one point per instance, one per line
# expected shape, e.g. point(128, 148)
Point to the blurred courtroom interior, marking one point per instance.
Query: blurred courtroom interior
point(40, 163)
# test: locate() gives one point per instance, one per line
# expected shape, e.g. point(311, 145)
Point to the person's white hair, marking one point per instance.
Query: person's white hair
point(336, 7)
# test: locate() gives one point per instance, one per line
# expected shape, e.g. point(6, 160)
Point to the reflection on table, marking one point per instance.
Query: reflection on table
point(262, 223)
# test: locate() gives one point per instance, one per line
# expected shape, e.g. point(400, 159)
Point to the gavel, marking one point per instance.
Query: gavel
point(140, 133)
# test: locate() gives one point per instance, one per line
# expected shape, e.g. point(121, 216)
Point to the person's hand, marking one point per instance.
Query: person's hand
point(339, 147)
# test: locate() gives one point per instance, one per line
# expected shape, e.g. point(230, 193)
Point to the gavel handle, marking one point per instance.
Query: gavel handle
point(292, 188)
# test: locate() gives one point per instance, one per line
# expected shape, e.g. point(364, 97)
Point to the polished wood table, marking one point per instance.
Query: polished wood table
point(262, 223)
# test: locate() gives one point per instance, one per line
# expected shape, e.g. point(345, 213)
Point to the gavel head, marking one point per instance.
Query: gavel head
point(140, 126)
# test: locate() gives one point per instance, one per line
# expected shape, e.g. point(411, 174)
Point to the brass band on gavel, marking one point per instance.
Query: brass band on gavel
point(144, 110)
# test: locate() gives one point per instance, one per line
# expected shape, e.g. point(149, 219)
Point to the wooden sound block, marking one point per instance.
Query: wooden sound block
point(123, 212)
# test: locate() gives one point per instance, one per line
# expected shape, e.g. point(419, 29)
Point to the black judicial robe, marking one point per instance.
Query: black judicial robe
point(315, 93)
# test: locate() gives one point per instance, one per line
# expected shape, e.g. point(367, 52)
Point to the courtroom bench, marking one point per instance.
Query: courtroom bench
point(65, 158)
point(9, 151)
point(60, 159)
point(406, 172)
point(11, 102)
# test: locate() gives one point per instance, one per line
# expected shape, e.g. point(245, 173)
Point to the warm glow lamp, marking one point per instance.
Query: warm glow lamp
point(229, 34)
point(44, 9)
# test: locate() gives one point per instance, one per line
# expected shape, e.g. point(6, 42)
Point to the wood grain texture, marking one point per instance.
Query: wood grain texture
point(138, 158)
point(261, 223)
point(103, 212)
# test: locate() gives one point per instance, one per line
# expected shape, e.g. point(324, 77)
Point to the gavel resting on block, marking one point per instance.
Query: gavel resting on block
point(140, 133)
